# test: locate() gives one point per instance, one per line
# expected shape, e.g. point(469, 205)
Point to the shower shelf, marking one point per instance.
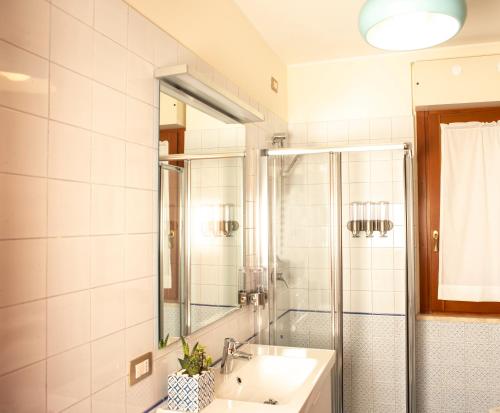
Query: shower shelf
point(369, 227)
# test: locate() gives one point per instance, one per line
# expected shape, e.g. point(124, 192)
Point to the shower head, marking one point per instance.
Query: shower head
point(279, 140)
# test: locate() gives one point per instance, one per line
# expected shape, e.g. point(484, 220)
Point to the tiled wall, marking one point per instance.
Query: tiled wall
point(216, 260)
point(458, 365)
point(373, 269)
point(78, 229)
point(374, 276)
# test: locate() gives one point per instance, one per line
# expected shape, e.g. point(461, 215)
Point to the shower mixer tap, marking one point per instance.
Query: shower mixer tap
point(279, 277)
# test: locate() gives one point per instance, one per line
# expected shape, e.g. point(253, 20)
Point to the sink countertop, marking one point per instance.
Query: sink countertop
point(325, 361)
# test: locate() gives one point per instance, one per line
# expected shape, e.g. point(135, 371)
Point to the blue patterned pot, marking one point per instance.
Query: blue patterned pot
point(190, 394)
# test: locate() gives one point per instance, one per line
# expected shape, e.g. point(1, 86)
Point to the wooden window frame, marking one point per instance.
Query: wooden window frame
point(429, 167)
point(175, 139)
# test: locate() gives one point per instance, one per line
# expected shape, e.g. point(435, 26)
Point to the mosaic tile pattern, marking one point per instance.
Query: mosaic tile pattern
point(374, 363)
point(458, 367)
point(374, 355)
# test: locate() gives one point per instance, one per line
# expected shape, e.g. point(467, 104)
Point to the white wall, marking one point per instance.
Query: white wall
point(372, 100)
point(78, 221)
point(219, 33)
point(377, 86)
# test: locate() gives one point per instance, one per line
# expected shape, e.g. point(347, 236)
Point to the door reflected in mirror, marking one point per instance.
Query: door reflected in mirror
point(201, 218)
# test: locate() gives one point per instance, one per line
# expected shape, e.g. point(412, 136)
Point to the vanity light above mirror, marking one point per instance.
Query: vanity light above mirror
point(191, 87)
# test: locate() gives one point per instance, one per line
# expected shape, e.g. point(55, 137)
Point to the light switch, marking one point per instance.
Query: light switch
point(140, 368)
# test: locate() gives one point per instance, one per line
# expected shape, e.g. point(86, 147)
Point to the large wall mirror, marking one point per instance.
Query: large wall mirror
point(201, 197)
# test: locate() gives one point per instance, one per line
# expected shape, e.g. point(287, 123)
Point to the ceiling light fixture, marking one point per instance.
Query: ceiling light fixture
point(399, 25)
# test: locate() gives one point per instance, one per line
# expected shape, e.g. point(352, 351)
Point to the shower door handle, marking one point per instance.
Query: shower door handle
point(435, 237)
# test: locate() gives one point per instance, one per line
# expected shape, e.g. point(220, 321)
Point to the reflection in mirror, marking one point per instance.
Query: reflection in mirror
point(201, 218)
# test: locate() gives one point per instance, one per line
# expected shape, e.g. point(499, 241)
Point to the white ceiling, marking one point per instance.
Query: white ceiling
point(302, 31)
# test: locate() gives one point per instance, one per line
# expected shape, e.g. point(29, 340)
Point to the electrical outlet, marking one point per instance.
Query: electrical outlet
point(274, 85)
point(140, 368)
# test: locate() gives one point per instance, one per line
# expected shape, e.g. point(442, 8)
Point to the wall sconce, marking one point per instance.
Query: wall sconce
point(221, 221)
point(369, 217)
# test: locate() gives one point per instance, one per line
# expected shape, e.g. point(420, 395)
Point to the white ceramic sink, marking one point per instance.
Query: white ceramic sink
point(265, 377)
point(287, 375)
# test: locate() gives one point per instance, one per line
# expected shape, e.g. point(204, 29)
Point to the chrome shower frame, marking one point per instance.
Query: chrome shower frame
point(265, 240)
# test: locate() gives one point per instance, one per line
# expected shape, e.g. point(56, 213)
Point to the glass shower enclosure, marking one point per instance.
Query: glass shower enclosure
point(329, 289)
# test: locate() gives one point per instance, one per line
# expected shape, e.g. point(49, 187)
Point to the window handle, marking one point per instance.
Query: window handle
point(435, 237)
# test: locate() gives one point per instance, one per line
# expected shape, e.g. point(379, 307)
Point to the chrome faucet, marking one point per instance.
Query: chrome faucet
point(229, 353)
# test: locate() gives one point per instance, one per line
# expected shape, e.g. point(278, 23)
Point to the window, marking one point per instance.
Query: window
point(429, 164)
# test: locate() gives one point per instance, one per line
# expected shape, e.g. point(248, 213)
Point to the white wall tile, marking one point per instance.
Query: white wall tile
point(24, 327)
point(29, 95)
point(106, 262)
point(139, 172)
point(84, 406)
point(361, 280)
point(108, 111)
point(107, 309)
point(317, 132)
point(165, 49)
point(27, 25)
point(383, 302)
point(110, 62)
point(361, 258)
point(361, 301)
point(138, 298)
point(141, 396)
point(68, 378)
point(68, 265)
point(17, 217)
point(68, 321)
point(139, 215)
point(139, 128)
point(108, 210)
point(111, 18)
point(138, 256)
point(22, 265)
point(138, 339)
point(108, 160)
point(381, 171)
point(68, 208)
point(15, 387)
point(81, 9)
point(71, 42)
point(21, 131)
point(141, 36)
point(383, 280)
point(140, 79)
point(110, 399)
point(359, 171)
point(70, 97)
point(359, 129)
point(69, 152)
point(108, 360)
point(380, 129)
point(402, 127)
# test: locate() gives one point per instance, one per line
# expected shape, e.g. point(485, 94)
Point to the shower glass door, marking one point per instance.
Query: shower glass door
point(300, 251)
point(331, 289)
point(304, 253)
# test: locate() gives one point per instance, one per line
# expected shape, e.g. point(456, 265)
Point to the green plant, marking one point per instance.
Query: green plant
point(164, 341)
point(196, 361)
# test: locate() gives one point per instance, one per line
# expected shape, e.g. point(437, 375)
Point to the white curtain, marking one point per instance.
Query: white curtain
point(469, 253)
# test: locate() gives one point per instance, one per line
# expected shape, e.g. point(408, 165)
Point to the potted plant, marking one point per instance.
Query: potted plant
point(191, 388)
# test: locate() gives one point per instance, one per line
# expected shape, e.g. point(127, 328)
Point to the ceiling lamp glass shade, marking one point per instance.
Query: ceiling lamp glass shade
point(410, 24)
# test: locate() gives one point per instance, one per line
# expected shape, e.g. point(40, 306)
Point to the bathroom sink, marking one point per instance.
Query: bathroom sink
point(276, 379)
point(265, 378)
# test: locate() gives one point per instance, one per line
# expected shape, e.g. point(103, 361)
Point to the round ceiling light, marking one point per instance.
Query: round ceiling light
point(410, 24)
